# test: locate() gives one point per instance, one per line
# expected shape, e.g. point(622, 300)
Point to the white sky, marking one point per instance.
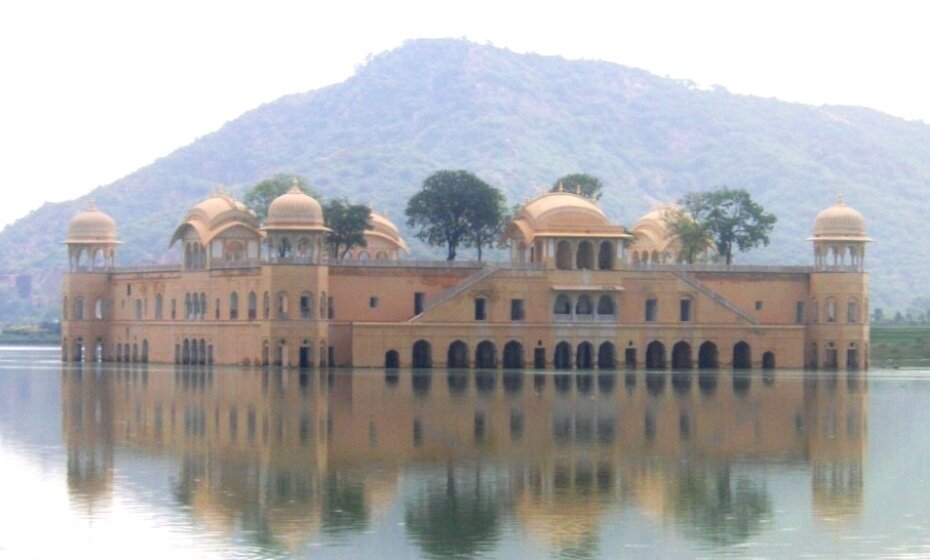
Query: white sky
point(92, 90)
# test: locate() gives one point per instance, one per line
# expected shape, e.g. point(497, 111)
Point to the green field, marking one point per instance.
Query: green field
point(903, 346)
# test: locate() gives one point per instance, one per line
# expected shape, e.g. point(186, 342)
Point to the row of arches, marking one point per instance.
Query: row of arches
point(121, 352)
point(193, 351)
point(277, 354)
point(580, 256)
point(584, 355)
point(582, 306)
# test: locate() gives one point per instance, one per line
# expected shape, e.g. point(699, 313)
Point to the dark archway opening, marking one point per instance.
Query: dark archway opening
point(681, 356)
point(486, 355)
point(606, 357)
point(584, 358)
point(457, 356)
point(563, 356)
point(768, 360)
point(655, 355)
point(513, 355)
point(629, 358)
point(742, 356)
point(708, 357)
point(422, 355)
point(392, 359)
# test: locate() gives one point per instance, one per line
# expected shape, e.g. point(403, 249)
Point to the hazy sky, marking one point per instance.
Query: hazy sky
point(93, 90)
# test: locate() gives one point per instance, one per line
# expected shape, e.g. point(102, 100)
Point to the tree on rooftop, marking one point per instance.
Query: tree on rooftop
point(731, 217)
point(262, 193)
point(455, 208)
point(348, 223)
point(586, 185)
point(692, 235)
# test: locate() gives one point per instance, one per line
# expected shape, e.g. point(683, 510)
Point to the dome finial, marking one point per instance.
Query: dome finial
point(839, 199)
point(561, 187)
point(578, 190)
point(91, 205)
point(295, 186)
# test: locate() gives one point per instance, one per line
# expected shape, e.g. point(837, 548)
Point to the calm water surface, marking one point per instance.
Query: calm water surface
point(158, 461)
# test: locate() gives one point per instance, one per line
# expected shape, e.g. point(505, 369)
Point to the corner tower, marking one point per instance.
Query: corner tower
point(92, 246)
point(838, 310)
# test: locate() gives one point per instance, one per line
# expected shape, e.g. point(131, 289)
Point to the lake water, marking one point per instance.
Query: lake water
point(162, 461)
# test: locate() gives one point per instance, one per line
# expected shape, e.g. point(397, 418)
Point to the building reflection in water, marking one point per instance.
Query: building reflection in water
point(290, 457)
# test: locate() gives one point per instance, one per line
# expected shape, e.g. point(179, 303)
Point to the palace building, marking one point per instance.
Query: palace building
point(578, 292)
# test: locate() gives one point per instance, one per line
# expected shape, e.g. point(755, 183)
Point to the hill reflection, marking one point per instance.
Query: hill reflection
point(463, 457)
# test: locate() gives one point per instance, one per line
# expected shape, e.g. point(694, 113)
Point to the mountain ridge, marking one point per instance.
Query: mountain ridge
point(519, 121)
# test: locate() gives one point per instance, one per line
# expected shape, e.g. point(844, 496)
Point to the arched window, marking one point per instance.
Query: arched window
point(563, 305)
point(234, 305)
point(159, 306)
point(707, 356)
point(306, 305)
point(606, 356)
point(513, 355)
point(457, 356)
point(422, 355)
point(584, 260)
point(282, 306)
point(253, 306)
point(563, 255)
point(681, 355)
point(486, 355)
point(563, 356)
point(79, 309)
point(742, 356)
point(284, 248)
point(584, 305)
point(98, 309)
point(605, 305)
point(363, 256)
point(852, 311)
point(655, 355)
point(605, 256)
point(831, 310)
point(266, 306)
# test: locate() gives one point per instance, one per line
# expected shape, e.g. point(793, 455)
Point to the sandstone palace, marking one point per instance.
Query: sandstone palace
point(578, 292)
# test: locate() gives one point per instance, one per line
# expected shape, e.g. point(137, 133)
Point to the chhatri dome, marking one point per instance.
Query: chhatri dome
point(561, 214)
point(839, 223)
point(92, 226)
point(382, 227)
point(295, 210)
point(210, 217)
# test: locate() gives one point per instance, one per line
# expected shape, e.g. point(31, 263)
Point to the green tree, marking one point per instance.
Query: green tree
point(348, 223)
point(487, 213)
point(731, 218)
point(586, 185)
point(455, 208)
point(692, 235)
point(262, 193)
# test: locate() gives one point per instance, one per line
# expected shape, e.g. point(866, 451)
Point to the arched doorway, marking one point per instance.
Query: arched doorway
point(457, 355)
point(606, 356)
point(563, 356)
point(422, 355)
point(513, 355)
point(708, 356)
point(584, 358)
point(145, 351)
point(768, 360)
point(742, 356)
point(563, 255)
point(655, 355)
point(391, 359)
point(584, 260)
point(486, 355)
point(305, 356)
point(605, 256)
point(681, 355)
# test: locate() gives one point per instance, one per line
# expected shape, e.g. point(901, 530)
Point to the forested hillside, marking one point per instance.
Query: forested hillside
point(519, 121)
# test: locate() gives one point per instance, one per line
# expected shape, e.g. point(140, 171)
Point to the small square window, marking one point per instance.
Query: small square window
point(652, 309)
point(517, 312)
point(373, 302)
point(481, 312)
point(685, 310)
point(759, 305)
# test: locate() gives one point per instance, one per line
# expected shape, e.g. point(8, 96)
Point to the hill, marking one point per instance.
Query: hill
point(519, 121)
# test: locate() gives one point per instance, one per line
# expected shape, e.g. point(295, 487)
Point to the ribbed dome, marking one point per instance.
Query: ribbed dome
point(840, 222)
point(294, 210)
point(382, 227)
point(559, 208)
point(92, 226)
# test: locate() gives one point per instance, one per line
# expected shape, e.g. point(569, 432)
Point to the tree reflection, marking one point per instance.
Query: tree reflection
point(713, 507)
point(459, 516)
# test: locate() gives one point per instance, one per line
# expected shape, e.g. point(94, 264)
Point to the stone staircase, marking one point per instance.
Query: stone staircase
point(479, 275)
point(715, 296)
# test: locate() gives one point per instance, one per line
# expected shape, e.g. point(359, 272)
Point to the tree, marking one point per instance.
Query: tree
point(262, 193)
point(348, 223)
point(586, 185)
point(486, 214)
point(455, 208)
point(731, 218)
point(693, 236)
